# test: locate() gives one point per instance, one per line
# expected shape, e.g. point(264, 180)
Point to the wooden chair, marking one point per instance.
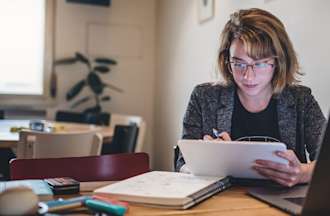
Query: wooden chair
point(124, 140)
point(120, 119)
point(93, 168)
point(176, 155)
point(33, 144)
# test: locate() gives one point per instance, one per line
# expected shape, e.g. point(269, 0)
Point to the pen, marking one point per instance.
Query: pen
point(216, 133)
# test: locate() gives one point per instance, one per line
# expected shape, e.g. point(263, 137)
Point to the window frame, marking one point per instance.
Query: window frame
point(9, 100)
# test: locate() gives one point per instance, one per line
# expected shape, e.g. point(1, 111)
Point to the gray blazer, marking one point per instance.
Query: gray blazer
point(300, 118)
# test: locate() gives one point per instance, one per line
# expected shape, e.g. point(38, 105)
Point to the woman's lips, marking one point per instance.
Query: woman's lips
point(250, 85)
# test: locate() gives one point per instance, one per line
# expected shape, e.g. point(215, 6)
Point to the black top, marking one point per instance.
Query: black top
point(263, 123)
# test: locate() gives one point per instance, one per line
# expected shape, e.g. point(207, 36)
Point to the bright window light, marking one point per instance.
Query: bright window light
point(22, 47)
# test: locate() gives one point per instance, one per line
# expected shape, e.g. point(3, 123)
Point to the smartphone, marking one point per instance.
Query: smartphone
point(63, 185)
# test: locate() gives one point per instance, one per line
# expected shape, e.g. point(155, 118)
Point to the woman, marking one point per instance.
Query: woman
point(260, 97)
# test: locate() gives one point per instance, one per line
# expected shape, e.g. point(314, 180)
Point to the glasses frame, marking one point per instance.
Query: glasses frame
point(252, 65)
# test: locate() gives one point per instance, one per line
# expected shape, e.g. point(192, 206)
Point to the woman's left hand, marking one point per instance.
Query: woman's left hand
point(285, 174)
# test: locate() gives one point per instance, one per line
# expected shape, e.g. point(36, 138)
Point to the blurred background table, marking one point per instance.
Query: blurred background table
point(9, 139)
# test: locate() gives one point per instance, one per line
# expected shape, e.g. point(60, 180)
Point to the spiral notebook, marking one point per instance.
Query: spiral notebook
point(166, 189)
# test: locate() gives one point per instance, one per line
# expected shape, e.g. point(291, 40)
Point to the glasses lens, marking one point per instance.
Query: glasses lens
point(261, 67)
point(258, 67)
point(238, 67)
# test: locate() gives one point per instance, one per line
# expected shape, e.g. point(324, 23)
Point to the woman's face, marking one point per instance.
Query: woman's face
point(252, 76)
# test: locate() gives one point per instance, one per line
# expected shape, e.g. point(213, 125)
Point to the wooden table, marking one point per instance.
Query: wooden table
point(9, 140)
point(231, 202)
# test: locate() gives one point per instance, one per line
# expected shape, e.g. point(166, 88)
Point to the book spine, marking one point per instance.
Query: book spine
point(214, 188)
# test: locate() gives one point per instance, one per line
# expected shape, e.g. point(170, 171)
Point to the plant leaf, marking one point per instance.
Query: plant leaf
point(102, 69)
point(75, 89)
point(106, 98)
point(105, 61)
point(82, 58)
point(65, 61)
point(113, 87)
point(80, 101)
point(95, 83)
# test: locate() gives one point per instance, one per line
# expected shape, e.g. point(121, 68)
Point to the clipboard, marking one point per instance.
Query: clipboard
point(228, 158)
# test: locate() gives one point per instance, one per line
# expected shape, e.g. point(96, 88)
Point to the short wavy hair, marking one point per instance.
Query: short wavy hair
point(263, 35)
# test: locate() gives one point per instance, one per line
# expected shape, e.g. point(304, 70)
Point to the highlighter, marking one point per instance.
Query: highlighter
point(99, 206)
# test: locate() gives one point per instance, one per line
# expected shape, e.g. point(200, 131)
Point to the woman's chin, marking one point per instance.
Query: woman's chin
point(251, 90)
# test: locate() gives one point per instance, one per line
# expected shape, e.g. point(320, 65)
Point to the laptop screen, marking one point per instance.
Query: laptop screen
point(319, 190)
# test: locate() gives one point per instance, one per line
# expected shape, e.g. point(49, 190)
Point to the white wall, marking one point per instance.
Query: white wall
point(126, 32)
point(187, 52)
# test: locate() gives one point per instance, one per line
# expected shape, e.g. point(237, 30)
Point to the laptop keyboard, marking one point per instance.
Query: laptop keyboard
point(296, 200)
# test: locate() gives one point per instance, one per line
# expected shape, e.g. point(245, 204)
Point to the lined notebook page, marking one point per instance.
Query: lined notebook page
point(160, 184)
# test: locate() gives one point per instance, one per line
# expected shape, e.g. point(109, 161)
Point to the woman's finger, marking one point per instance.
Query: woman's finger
point(207, 137)
point(279, 167)
point(225, 136)
point(275, 174)
point(280, 181)
point(288, 155)
point(285, 182)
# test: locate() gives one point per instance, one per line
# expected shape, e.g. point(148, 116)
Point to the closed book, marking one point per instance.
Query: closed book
point(166, 189)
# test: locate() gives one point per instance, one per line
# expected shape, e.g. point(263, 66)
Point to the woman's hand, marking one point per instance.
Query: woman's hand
point(288, 175)
point(224, 136)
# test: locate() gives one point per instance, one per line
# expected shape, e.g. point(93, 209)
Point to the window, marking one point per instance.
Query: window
point(26, 44)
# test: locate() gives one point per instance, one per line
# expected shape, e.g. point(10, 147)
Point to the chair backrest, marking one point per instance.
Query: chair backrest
point(94, 168)
point(90, 118)
point(119, 119)
point(124, 140)
point(34, 144)
point(176, 155)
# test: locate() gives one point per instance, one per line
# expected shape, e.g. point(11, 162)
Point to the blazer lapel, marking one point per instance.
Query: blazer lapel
point(225, 109)
point(287, 118)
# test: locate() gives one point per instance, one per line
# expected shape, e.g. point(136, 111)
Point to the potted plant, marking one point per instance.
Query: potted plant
point(93, 80)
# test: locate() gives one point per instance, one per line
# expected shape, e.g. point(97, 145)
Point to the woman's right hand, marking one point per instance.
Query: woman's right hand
point(224, 136)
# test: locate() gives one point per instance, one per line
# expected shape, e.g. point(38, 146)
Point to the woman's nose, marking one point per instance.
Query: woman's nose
point(249, 73)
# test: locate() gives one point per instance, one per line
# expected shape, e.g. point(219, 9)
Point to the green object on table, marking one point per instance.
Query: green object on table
point(17, 129)
point(100, 206)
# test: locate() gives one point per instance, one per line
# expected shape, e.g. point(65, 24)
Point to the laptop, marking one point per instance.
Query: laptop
point(304, 199)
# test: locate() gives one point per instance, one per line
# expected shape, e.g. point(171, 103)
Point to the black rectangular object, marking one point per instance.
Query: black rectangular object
point(106, 3)
point(123, 141)
point(63, 185)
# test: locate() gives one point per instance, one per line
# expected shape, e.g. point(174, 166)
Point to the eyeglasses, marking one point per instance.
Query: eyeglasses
point(257, 67)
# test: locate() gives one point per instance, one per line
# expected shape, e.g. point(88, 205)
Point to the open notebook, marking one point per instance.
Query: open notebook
point(166, 189)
